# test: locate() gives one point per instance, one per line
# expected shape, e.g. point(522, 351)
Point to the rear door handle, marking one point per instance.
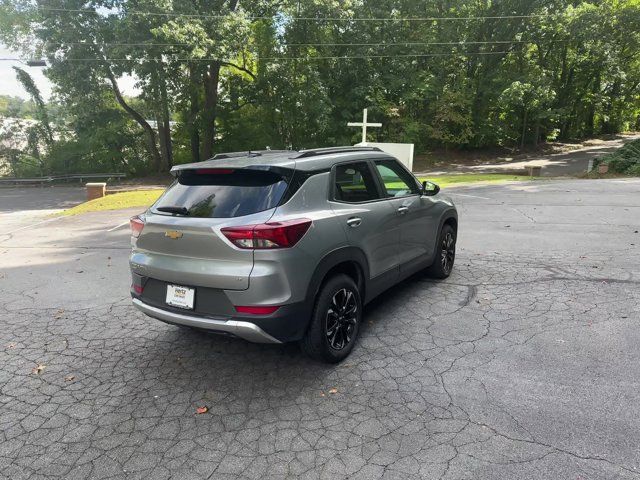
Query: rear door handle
point(354, 222)
point(403, 210)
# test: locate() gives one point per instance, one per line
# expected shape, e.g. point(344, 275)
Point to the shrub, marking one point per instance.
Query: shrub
point(625, 160)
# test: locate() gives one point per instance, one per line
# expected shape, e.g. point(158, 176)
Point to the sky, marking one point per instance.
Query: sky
point(9, 85)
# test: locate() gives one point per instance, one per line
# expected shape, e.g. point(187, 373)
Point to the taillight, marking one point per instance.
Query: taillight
point(256, 310)
point(268, 235)
point(136, 224)
point(138, 289)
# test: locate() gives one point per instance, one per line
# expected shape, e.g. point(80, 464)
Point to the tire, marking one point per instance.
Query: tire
point(339, 292)
point(445, 254)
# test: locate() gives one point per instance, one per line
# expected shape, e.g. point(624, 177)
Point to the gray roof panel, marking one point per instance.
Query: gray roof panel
point(306, 160)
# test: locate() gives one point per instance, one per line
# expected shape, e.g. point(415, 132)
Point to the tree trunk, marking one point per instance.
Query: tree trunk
point(591, 110)
point(192, 115)
point(165, 130)
point(150, 133)
point(211, 80)
point(164, 151)
point(524, 127)
point(161, 109)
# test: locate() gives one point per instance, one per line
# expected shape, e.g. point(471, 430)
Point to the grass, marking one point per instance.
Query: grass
point(116, 201)
point(449, 180)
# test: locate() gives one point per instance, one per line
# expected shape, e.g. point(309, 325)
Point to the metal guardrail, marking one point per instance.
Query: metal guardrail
point(53, 178)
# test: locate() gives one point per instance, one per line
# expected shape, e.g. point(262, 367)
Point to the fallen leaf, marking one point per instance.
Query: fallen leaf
point(59, 313)
point(322, 394)
point(69, 378)
point(201, 410)
point(38, 369)
point(333, 391)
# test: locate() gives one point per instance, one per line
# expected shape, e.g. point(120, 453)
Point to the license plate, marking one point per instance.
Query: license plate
point(181, 297)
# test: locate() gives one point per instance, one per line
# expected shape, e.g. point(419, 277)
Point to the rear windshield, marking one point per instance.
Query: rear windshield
point(230, 194)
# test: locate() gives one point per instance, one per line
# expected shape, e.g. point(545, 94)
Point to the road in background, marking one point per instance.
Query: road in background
point(566, 164)
point(523, 364)
point(20, 207)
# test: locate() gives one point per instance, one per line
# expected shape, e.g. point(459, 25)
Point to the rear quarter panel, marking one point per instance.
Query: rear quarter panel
point(283, 276)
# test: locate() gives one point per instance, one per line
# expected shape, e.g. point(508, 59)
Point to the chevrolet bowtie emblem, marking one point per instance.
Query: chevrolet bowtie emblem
point(174, 234)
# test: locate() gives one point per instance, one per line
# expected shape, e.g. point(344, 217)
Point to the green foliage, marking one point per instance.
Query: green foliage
point(16, 107)
point(452, 122)
point(230, 75)
point(625, 160)
point(16, 158)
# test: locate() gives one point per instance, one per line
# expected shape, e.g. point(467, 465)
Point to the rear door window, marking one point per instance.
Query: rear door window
point(223, 193)
point(354, 183)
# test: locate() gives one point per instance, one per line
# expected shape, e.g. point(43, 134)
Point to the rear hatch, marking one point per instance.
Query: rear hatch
point(181, 240)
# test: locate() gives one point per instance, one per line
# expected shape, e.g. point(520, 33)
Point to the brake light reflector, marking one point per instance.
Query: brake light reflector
point(137, 224)
point(138, 289)
point(256, 310)
point(268, 235)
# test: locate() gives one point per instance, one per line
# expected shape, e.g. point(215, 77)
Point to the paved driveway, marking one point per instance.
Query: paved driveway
point(571, 163)
point(524, 364)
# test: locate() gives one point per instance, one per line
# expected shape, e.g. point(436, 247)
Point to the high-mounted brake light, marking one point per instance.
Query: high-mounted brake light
point(268, 235)
point(256, 310)
point(137, 224)
point(214, 171)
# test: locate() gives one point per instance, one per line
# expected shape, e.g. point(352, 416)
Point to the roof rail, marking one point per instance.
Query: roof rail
point(250, 153)
point(329, 150)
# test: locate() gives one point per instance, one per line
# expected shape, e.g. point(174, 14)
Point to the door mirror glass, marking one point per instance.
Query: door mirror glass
point(429, 188)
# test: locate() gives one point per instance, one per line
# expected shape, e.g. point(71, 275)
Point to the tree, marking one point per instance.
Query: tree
point(217, 75)
point(452, 123)
point(529, 103)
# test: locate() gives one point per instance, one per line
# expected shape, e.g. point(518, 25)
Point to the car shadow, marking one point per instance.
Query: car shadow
point(101, 339)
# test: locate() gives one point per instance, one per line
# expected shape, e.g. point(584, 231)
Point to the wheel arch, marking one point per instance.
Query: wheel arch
point(452, 221)
point(348, 260)
point(448, 217)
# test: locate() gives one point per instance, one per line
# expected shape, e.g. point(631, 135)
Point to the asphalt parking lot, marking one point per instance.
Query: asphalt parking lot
point(523, 364)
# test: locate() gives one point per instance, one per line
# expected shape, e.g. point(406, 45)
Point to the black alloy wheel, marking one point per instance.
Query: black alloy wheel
point(448, 252)
point(445, 253)
point(335, 322)
point(342, 317)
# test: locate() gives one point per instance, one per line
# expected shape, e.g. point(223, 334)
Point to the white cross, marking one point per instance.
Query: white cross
point(364, 125)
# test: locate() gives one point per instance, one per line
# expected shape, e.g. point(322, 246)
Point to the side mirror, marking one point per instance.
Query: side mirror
point(429, 189)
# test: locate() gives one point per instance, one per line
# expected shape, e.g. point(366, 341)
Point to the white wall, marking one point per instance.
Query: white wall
point(402, 151)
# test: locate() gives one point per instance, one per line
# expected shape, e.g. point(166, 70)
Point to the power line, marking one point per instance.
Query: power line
point(333, 57)
point(378, 44)
point(319, 19)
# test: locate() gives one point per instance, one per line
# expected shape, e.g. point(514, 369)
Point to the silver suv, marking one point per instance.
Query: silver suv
point(281, 246)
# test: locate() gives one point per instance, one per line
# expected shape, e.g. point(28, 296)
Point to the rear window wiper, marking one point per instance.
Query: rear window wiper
point(176, 210)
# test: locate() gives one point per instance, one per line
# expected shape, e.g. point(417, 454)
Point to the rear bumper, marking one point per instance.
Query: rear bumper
point(246, 330)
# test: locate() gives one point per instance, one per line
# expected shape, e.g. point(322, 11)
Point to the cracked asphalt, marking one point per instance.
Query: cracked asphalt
point(523, 364)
